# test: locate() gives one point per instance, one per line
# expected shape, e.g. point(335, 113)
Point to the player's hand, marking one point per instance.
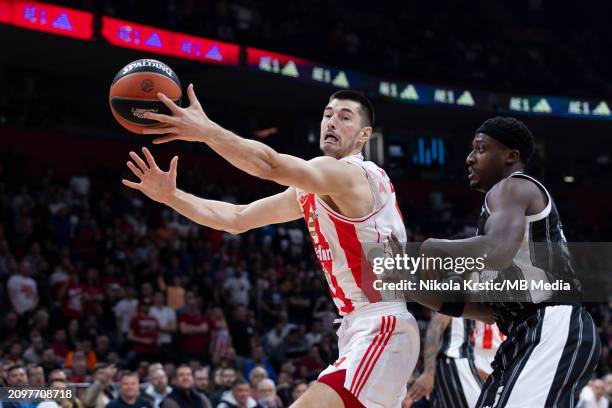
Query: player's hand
point(190, 124)
point(156, 184)
point(421, 387)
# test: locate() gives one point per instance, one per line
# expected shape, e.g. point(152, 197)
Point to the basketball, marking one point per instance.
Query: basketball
point(134, 92)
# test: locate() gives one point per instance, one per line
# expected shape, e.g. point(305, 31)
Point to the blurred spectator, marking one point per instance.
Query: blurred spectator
point(144, 333)
point(167, 324)
point(23, 290)
point(266, 394)
point(36, 376)
point(128, 393)
point(258, 358)
point(60, 343)
point(241, 330)
point(158, 387)
point(311, 364)
point(237, 288)
point(193, 335)
point(17, 376)
point(183, 394)
point(227, 377)
point(34, 353)
point(297, 391)
point(73, 402)
point(239, 396)
point(201, 379)
point(256, 375)
point(593, 395)
point(316, 332)
point(126, 309)
point(101, 391)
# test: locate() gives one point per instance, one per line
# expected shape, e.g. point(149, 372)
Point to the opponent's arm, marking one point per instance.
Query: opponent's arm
point(504, 230)
point(423, 385)
point(323, 175)
point(161, 186)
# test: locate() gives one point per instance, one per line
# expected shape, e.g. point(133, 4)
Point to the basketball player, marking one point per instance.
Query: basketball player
point(487, 339)
point(448, 361)
point(345, 202)
point(552, 346)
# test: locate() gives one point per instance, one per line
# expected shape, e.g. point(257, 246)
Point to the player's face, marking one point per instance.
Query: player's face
point(485, 162)
point(340, 128)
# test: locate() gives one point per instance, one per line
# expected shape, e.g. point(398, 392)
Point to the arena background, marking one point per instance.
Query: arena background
point(265, 70)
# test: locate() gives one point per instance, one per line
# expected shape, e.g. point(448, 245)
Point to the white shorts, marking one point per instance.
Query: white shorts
point(379, 348)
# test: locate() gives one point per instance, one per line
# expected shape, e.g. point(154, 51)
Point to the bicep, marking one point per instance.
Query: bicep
point(322, 175)
point(276, 209)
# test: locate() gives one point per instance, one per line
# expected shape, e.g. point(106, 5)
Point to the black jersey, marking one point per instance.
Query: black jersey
point(542, 256)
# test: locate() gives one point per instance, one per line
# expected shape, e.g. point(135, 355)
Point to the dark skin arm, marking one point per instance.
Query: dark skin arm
point(423, 385)
point(509, 202)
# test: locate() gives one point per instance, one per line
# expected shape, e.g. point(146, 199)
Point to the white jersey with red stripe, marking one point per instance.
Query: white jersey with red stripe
point(487, 339)
point(341, 242)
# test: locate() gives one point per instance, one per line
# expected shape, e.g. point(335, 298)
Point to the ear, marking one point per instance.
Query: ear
point(365, 134)
point(512, 156)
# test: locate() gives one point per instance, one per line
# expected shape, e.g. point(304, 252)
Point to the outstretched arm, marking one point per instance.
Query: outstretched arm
point(160, 186)
point(323, 175)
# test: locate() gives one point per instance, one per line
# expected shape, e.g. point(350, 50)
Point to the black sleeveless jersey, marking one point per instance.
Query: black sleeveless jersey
point(543, 256)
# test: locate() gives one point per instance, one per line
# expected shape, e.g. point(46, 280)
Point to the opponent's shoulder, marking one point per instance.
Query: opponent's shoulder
point(517, 190)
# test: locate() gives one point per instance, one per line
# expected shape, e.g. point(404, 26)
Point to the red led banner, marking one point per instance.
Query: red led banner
point(6, 14)
point(127, 34)
point(137, 36)
point(52, 19)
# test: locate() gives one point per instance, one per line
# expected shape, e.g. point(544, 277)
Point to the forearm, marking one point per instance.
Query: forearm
point(494, 253)
point(210, 213)
point(250, 156)
point(432, 344)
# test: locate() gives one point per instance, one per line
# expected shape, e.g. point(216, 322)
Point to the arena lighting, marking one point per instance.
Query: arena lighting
point(127, 34)
point(569, 179)
point(63, 21)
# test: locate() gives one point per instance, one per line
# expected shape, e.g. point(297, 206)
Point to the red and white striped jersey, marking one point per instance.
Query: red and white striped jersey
point(340, 243)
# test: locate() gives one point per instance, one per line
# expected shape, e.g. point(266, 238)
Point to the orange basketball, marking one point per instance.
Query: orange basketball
point(134, 92)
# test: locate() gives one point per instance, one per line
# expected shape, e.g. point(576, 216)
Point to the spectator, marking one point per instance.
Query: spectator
point(49, 360)
point(17, 376)
point(144, 334)
point(242, 330)
point(183, 394)
point(311, 364)
point(34, 353)
point(237, 288)
point(315, 334)
point(238, 397)
point(73, 402)
point(57, 375)
point(201, 381)
point(158, 387)
point(266, 394)
point(60, 343)
point(23, 290)
point(128, 393)
point(597, 397)
point(258, 358)
point(193, 331)
point(101, 391)
point(103, 347)
point(257, 374)
point(227, 378)
point(297, 391)
point(36, 376)
point(125, 310)
point(167, 324)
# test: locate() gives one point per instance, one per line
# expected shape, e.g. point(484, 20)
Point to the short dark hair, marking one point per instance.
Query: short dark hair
point(176, 370)
point(240, 382)
point(17, 367)
point(512, 133)
point(367, 109)
point(128, 373)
